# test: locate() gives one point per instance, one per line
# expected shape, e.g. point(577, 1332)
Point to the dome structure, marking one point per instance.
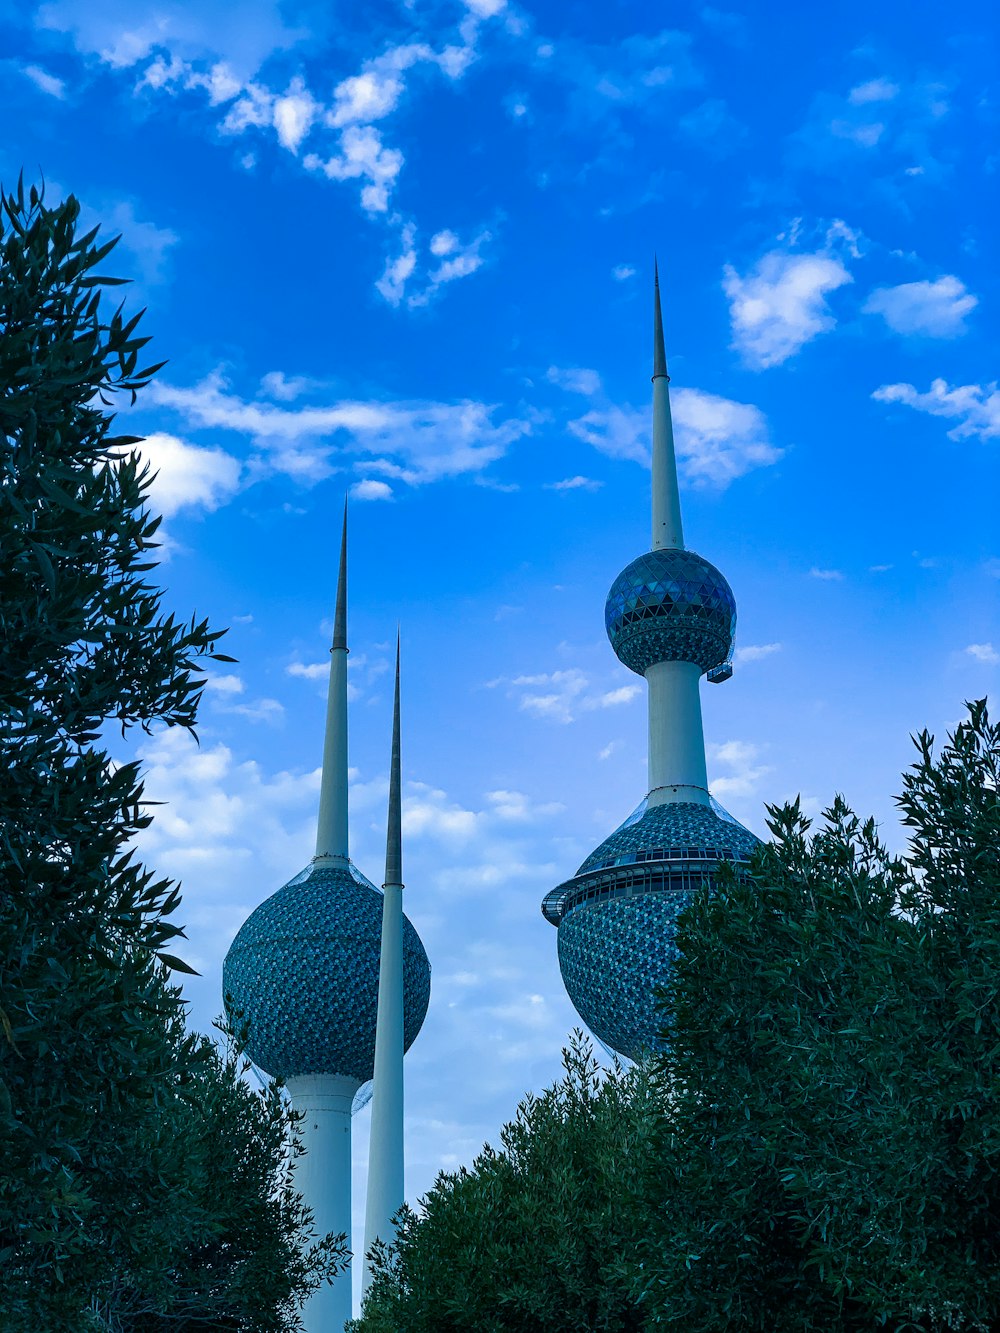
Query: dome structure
point(303, 971)
point(671, 605)
point(617, 916)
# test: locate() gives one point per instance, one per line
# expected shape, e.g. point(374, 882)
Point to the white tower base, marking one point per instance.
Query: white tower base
point(323, 1177)
point(677, 769)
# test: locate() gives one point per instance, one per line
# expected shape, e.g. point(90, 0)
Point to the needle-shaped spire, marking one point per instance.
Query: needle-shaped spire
point(331, 832)
point(394, 835)
point(667, 530)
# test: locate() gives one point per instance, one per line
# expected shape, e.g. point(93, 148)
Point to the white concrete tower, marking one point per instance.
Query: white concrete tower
point(385, 1154)
point(303, 975)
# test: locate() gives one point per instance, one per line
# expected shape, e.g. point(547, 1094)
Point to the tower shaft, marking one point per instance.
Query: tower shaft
point(323, 1177)
point(331, 829)
point(677, 770)
point(386, 1189)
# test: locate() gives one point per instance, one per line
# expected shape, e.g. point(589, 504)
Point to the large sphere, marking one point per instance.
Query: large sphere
point(617, 916)
point(304, 971)
point(671, 606)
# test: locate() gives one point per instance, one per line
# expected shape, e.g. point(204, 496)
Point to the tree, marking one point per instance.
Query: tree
point(532, 1237)
point(96, 1070)
point(832, 1128)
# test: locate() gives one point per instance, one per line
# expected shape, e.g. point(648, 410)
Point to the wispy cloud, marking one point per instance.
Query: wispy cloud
point(574, 484)
point(745, 772)
point(934, 309)
point(560, 696)
point(717, 439)
point(974, 407)
point(414, 442)
point(755, 652)
point(983, 652)
point(826, 575)
point(44, 81)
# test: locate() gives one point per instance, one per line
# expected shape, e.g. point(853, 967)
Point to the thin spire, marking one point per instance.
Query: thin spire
point(331, 829)
point(668, 533)
point(340, 615)
point(659, 352)
point(394, 835)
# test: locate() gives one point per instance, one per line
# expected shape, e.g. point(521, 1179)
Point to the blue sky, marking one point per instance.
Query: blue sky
point(405, 250)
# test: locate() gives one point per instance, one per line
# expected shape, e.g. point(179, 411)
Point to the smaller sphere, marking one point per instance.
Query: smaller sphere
point(303, 972)
point(671, 606)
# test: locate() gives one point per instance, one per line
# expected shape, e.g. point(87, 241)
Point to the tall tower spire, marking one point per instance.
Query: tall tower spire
point(385, 1158)
point(331, 831)
point(667, 531)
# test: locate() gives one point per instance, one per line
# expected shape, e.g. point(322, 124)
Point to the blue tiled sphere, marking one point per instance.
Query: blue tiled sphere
point(617, 916)
point(671, 606)
point(303, 970)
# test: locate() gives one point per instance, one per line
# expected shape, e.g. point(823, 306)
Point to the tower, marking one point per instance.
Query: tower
point(671, 618)
point(303, 974)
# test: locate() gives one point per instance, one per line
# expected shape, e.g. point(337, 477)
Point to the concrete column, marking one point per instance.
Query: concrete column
point(323, 1177)
point(385, 1163)
point(667, 530)
point(331, 830)
point(677, 770)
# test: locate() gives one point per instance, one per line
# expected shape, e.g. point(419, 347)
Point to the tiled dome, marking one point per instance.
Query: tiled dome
point(671, 606)
point(304, 971)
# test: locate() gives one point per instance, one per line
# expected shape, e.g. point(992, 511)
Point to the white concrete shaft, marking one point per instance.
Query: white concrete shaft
point(677, 769)
point(385, 1160)
point(331, 832)
point(323, 1177)
point(667, 530)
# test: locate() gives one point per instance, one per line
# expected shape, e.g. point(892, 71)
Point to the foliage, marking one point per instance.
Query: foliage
point(532, 1237)
point(99, 1084)
point(227, 1247)
point(830, 1148)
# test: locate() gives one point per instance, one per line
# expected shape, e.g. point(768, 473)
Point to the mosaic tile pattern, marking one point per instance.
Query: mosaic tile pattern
point(304, 970)
point(676, 831)
point(617, 916)
point(671, 606)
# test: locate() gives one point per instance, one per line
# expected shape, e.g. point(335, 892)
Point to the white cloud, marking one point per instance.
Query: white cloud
point(575, 379)
point(368, 489)
point(294, 114)
point(444, 243)
point(187, 475)
point(308, 670)
point(363, 155)
point(984, 652)
point(826, 575)
point(875, 90)
point(717, 439)
point(755, 652)
point(486, 9)
point(935, 309)
point(560, 696)
point(415, 442)
point(976, 407)
point(745, 772)
point(47, 83)
point(122, 34)
point(781, 304)
point(622, 272)
point(574, 484)
point(225, 684)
